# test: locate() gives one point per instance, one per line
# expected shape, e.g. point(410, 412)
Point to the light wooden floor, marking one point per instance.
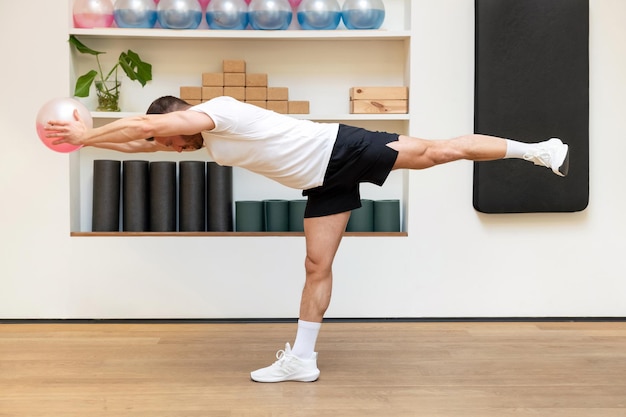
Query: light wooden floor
point(368, 369)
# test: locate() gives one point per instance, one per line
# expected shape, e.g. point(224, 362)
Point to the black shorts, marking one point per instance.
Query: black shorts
point(359, 155)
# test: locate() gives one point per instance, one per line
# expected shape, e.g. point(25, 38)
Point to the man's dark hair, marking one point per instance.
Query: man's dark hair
point(166, 104)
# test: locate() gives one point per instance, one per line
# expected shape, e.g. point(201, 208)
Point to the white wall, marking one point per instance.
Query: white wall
point(455, 262)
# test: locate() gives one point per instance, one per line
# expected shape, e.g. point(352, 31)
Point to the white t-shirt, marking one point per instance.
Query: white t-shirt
point(291, 151)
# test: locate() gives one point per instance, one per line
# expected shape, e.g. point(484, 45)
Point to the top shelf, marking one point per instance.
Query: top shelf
point(344, 34)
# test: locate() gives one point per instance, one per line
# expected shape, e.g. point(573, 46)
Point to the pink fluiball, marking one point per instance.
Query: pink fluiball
point(93, 13)
point(60, 109)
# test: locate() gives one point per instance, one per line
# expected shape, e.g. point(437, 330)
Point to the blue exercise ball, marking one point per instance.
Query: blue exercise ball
point(179, 14)
point(363, 14)
point(269, 14)
point(227, 14)
point(135, 13)
point(319, 14)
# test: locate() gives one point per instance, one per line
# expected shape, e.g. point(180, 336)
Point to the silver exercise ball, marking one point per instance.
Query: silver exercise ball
point(179, 14)
point(269, 14)
point(319, 14)
point(227, 14)
point(363, 14)
point(135, 13)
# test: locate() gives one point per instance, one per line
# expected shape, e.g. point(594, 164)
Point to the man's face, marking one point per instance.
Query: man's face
point(178, 143)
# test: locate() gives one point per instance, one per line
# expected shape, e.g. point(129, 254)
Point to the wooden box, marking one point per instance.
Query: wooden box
point(375, 93)
point(211, 92)
point(234, 79)
point(298, 107)
point(234, 65)
point(190, 93)
point(235, 92)
point(277, 93)
point(278, 106)
point(213, 79)
point(379, 106)
point(256, 93)
point(256, 80)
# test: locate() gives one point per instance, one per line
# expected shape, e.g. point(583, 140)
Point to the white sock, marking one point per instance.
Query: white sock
point(516, 149)
point(304, 346)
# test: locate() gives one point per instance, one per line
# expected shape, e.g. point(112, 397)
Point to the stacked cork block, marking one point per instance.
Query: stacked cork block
point(251, 88)
point(372, 100)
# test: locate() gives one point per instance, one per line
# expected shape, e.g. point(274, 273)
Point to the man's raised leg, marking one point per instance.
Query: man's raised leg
point(416, 153)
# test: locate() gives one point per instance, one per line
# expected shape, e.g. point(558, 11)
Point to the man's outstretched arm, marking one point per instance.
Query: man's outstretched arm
point(129, 129)
point(135, 146)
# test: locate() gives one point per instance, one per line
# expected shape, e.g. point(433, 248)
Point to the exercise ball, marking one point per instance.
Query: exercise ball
point(269, 14)
point(135, 13)
point(363, 14)
point(92, 13)
point(295, 3)
point(227, 14)
point(179, 14)
point(319, 14)
point(60, 109)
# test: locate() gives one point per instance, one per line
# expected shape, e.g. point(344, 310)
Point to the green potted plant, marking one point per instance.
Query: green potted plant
point(108, 85)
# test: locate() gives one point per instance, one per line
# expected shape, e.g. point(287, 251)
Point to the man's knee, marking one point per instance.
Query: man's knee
point(317, 267)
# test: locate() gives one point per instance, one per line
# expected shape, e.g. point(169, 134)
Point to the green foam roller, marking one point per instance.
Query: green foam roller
point(387, 215)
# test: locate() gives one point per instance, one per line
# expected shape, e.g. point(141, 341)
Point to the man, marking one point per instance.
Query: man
point(327, 161)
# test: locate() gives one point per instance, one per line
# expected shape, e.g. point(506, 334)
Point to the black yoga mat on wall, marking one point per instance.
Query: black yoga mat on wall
point(191, 215)
point(135, 196)
point(106, 196)
point(532, 83)
point(219, 198)
point(163, 196)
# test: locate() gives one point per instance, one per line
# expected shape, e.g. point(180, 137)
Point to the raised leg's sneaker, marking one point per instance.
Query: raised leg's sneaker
point(552, 154)
point(288, 368)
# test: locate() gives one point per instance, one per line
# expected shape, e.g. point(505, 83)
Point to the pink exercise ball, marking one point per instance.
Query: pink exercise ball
point(92, 13)
point(60, 109)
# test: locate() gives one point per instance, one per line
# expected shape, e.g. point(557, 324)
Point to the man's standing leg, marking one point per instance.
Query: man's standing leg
point(323, 236)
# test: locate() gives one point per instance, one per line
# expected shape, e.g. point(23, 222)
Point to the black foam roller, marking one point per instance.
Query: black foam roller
point(163, 196)
point(106, 196)
point(135, 196)
point(219, 196)
point(191, 216)
point(532, 83)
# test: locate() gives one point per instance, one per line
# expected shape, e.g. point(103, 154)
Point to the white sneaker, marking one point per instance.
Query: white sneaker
point(552, 154)
point(288, 368)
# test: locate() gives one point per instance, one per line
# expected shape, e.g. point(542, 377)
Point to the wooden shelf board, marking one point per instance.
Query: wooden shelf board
point(317, 117)
point(340, 34)
point(226, 234)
